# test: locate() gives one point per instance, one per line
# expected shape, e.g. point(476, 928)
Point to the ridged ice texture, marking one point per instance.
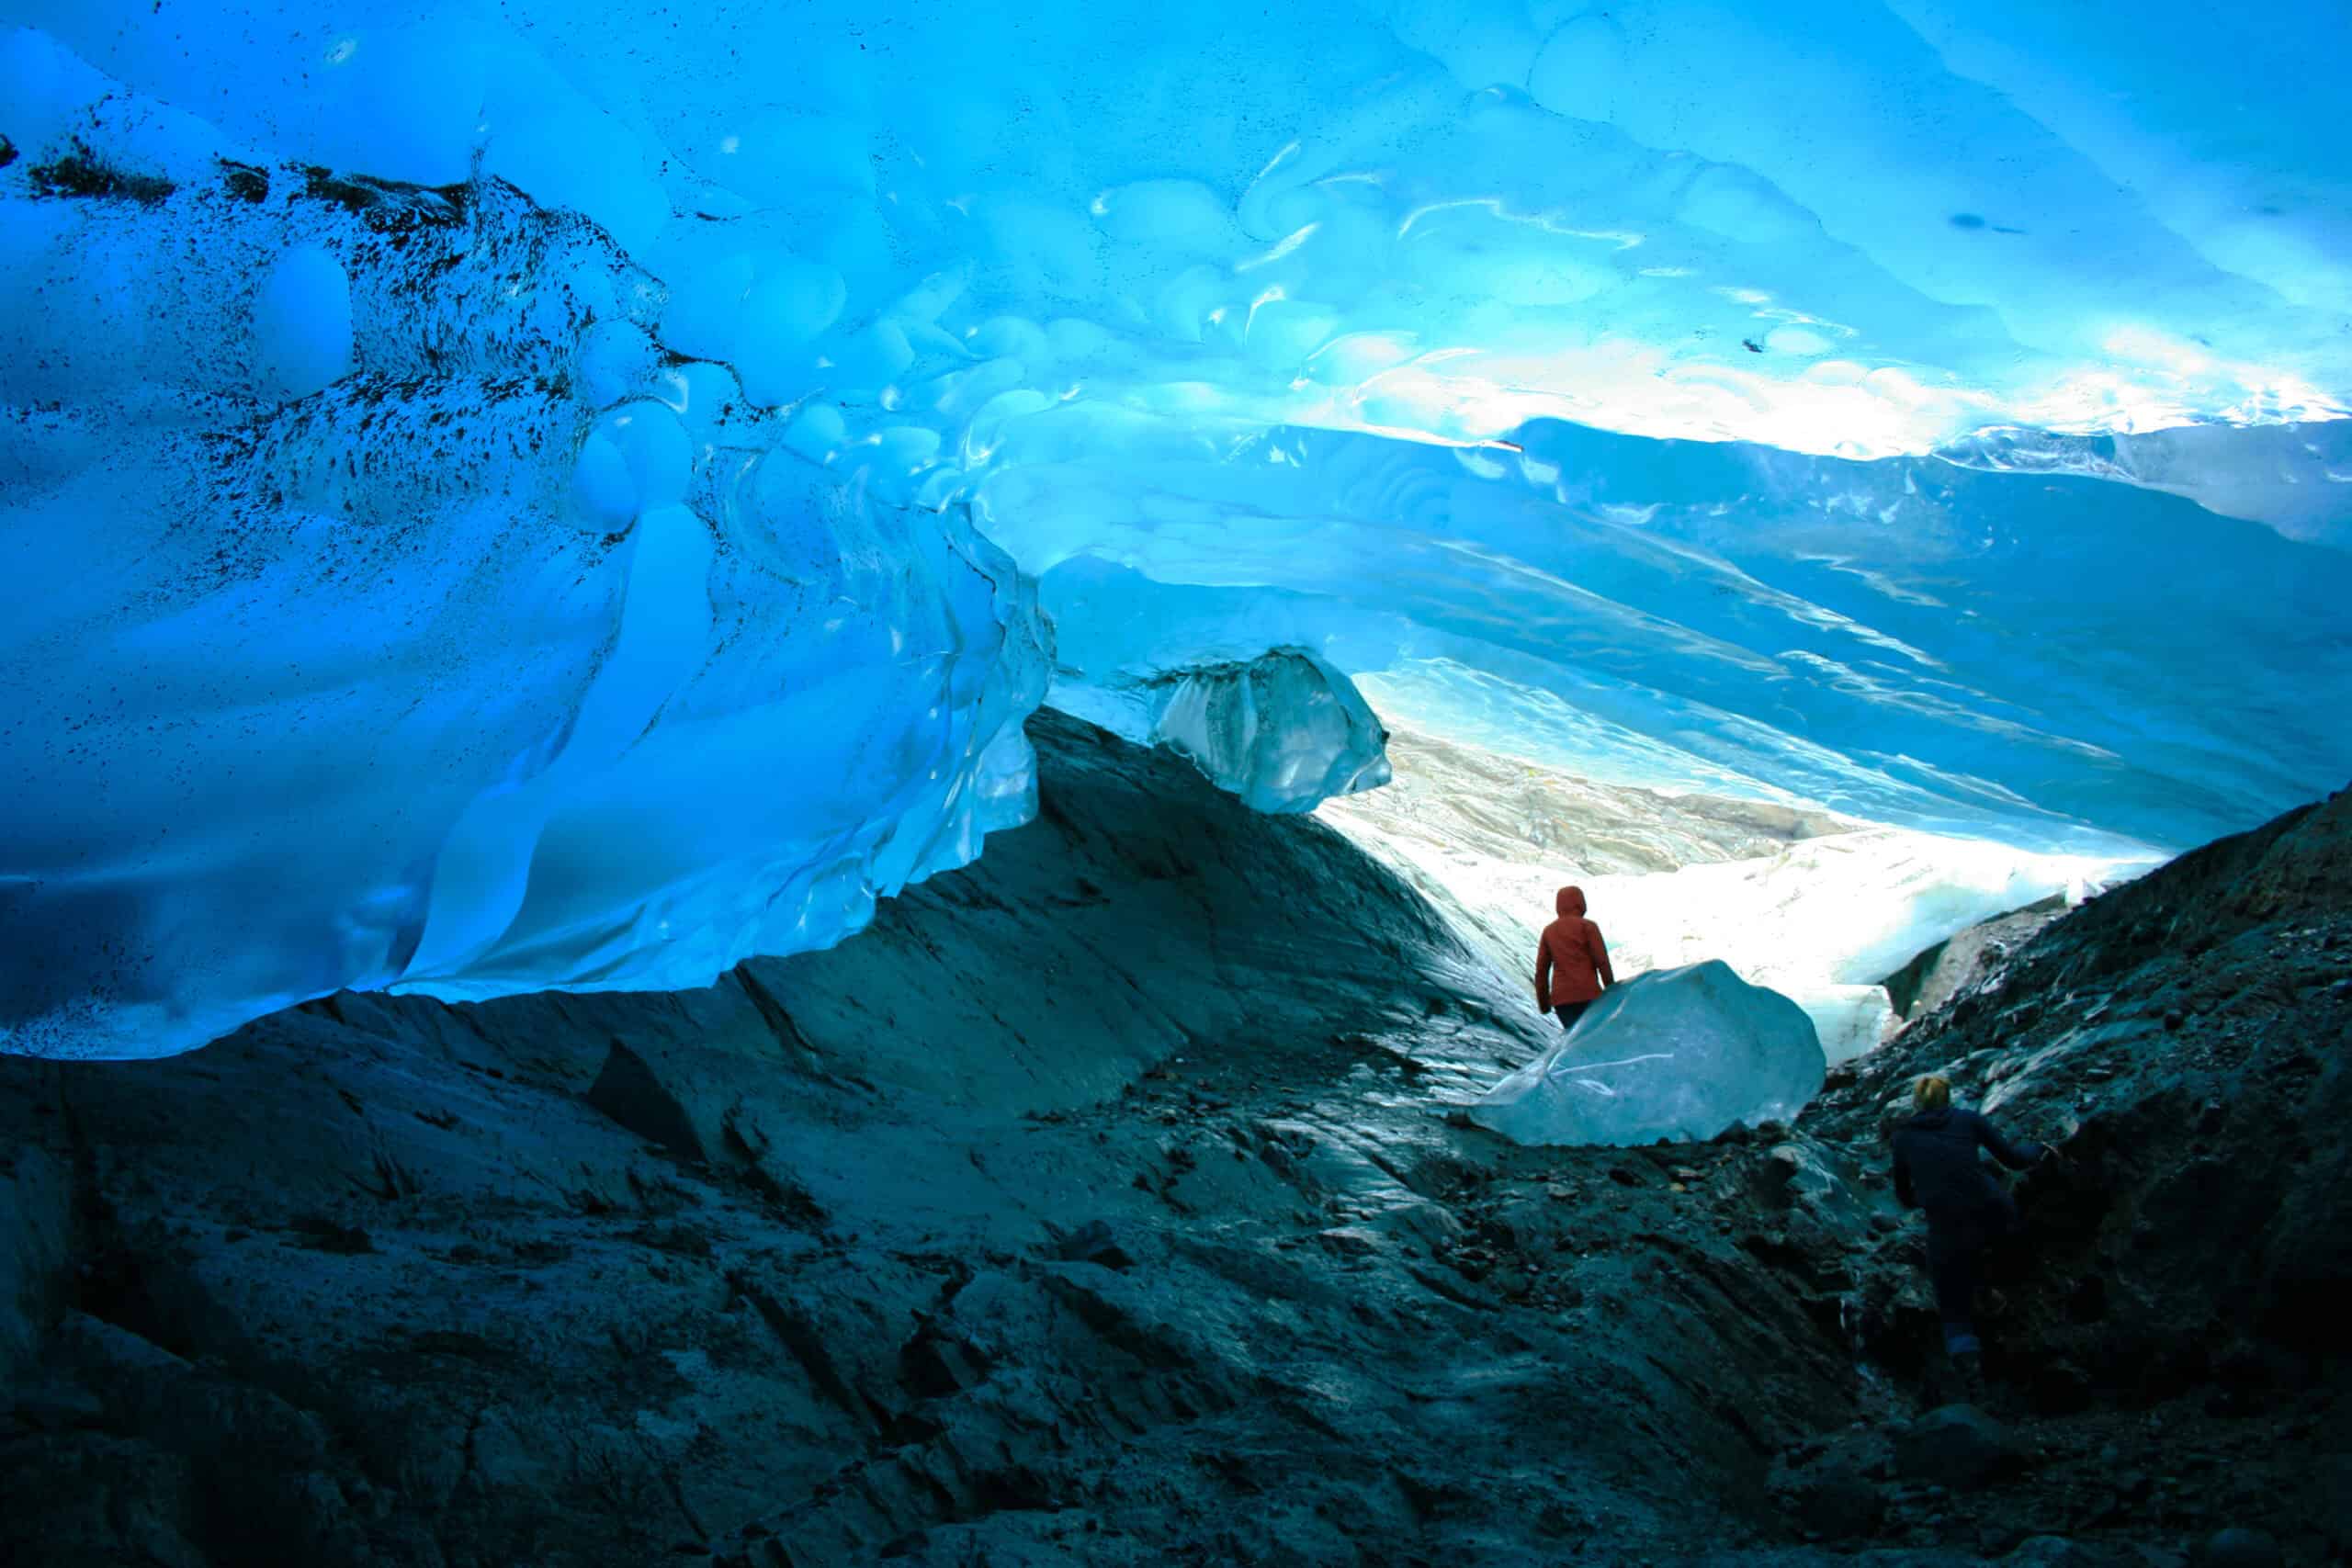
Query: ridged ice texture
point(1674, 1054)
point(1105, 270)
point(2030, 655)
point(1858, 226)
point(380, 607)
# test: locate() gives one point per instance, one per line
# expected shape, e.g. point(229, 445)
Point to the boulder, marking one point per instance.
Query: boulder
point(1674, 1054)
point(1957, 1446)
point(2237, 1548)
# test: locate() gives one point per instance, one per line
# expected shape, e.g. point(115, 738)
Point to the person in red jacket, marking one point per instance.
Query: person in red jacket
point(1571, 962)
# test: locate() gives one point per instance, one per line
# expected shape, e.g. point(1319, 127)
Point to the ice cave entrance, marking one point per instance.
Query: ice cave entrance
point(1817, 906)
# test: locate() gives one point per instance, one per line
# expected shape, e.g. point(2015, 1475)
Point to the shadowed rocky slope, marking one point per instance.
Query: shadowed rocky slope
point(2175, 1300)
point(1102, 1203)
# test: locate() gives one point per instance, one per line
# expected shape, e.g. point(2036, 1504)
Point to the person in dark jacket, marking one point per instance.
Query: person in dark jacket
point(1936, 1168)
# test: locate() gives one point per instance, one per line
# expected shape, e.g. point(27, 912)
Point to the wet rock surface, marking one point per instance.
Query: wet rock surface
point(2160, 1340)
point(1957, 1446)
point(1110, 1202)
point(1941, 972)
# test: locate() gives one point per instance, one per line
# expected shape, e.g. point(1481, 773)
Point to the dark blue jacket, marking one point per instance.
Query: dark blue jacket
point(1936, 1168)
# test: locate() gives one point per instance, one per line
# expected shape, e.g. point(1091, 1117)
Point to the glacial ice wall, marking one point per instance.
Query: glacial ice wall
point(532, 493)
point(383, 607)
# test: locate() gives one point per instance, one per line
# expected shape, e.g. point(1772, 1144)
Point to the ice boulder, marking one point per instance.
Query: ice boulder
point(1678, 1053)
point(1285, 731)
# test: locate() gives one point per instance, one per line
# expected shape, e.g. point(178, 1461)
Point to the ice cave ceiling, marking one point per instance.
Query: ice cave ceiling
point(553, 494)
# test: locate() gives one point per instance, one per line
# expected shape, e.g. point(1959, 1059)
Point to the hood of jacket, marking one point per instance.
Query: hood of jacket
point(1570, 903)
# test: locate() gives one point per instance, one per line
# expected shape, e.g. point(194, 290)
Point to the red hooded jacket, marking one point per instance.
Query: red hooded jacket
point(1572, 946)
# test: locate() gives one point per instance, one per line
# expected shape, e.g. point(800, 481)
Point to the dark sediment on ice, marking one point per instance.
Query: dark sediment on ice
point(1102, 1203)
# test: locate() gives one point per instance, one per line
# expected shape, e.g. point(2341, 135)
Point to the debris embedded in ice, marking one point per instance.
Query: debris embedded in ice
point(1674, 1054)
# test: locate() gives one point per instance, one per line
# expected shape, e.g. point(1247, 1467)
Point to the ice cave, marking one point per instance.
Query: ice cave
point(501, 498)
point(836, 591)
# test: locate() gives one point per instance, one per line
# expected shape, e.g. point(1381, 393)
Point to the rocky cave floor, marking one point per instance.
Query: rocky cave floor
point(1110, 1201)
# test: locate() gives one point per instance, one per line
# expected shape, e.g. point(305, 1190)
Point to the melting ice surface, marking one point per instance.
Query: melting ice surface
point(551, 494)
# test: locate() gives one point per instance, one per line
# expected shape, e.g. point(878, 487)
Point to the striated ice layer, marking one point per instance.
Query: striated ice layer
point(2296, 477)
point(379, 607)
point(2053, 659)
point(1676, 1053)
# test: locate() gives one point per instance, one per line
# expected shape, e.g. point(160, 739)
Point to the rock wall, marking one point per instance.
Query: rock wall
point(1938, 972)
point(2182, 1038)
point(2173, 1302)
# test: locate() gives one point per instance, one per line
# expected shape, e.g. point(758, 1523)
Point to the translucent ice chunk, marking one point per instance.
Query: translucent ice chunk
point(1285, 731)
point(1674, 1054)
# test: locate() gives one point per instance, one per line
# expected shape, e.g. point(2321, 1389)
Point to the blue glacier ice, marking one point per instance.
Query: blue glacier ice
point(1285, 730)
point(1267, 720)
point(500, 496)
point(1904, 639)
